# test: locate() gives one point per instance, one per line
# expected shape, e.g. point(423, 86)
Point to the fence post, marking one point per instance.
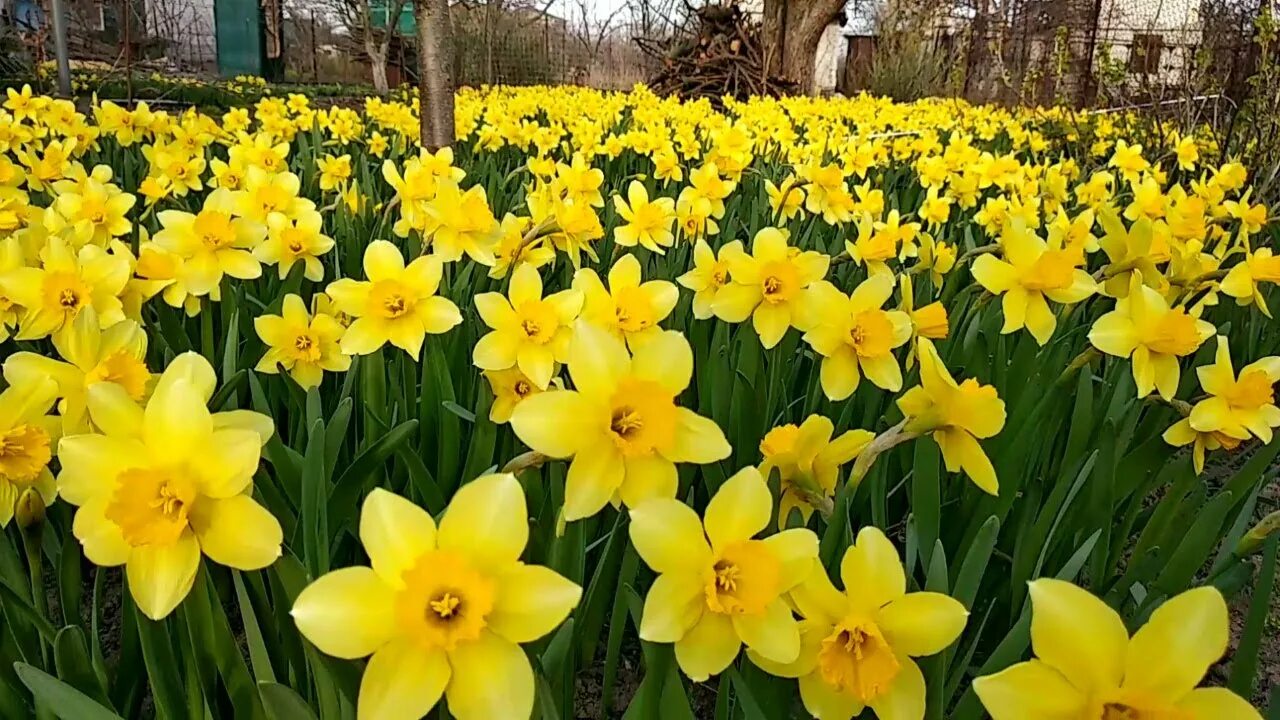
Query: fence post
point(60, 48)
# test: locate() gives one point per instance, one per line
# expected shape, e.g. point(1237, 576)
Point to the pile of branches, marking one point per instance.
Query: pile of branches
point(719, 54)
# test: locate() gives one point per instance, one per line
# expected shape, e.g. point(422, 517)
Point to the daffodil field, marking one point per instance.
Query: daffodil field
point(629, 407)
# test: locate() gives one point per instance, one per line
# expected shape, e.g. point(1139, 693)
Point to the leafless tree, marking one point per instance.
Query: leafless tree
point(374, 38)
point(435, 78)
point(590, 27)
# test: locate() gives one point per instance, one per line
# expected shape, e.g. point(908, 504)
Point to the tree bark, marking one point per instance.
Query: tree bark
point(435, 79)
point(792, 31)
point(377, 66)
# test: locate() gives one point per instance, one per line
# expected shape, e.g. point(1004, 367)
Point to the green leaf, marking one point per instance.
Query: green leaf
point(314, 521)
point(926, 502)
point(975, 563)
point(167, 688)
point(1196, 545)
point(1244, 666)
point(71, 657)
point(61, 699)
point(282, 703)
point(350, 484)
point(751, 708)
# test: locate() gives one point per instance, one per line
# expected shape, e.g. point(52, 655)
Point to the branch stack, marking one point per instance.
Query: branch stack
point(719, 54)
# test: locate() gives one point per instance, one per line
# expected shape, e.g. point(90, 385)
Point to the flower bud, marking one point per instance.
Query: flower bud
point(29, 510)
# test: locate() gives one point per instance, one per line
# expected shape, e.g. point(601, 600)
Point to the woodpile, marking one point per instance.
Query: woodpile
point(720, 54)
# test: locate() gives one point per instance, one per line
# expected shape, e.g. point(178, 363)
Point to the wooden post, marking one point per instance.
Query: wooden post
point(435, 77)
point(60, 48)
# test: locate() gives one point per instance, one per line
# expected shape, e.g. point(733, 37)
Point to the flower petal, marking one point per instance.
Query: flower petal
point(739, 510)
point(395, 533)
point(596, 473)
point(1030, 691)
point(675, 603)
point(531, 601)
point(922, 623)
point(826, 702)
point(697, 439)
point(774, 634)
point(487, 519)
point(348, 613)
point(1078, 635)
point(1213, 703)
point(491, 679)
point(708, 648)
point(237, 532)
point(1170, 655)
point(871, 570)
point(667, 534)
point(160, 576)
point(404, 679)
point(905, 697)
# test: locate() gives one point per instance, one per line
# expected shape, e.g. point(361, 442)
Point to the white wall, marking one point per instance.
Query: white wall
point(1177, 22)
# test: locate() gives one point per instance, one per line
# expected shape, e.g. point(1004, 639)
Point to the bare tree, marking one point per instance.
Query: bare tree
point(435, 79)
point(591, 28)
point(357, 18)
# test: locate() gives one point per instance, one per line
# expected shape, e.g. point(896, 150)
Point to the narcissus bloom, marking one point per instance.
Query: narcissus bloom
point(956, 416)
point(767, 285)
point(644, 222)
point(708, 275)
point(719, 587)
point(1031, 274)
point(1087, 666)
point(1236, 408)
point(808, 462)
point(529, 331)
point(1144, 328)
point(212, 243)
point(162, 484)
point(92, 355)
point(857, 646)
point(1244, 280)
point(442, 610)
point(620, 423)
point(510, 387)
point(27, 438)
point(295, 240)
point(855, 336)
point(397, 304)
point(66, 282)
point(629, 308)
point(303, 345)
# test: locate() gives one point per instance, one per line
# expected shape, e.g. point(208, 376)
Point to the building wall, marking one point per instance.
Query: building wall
point(1124, 24)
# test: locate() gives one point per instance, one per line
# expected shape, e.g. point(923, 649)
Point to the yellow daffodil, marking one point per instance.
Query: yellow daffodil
point(509, 388)
point(709, 274)
point(620, 423)
point(718, 587)
point(397, 304)
point(855, 336)
point(767, 285)
point(528, 331)
point(808, 462)
point(304, 346)
point(513, 249)
point(1031, 274)
point(1237, 406)
point(160, 485)
point(334, 171)
point(629, 308)
point(212, 243)
point(1132, 252)
point(644, 222)
point(1244, 279)
point(293, 240)
point(67, 281)
point(27, 438)
point(858, 646)
point(444, 608)
point(1144, 328)
point(265, 193)
point(694, 215)
point(90, 355)
point(956, 416)
point(784, 202)
point(1087, 665)
point(458, 222)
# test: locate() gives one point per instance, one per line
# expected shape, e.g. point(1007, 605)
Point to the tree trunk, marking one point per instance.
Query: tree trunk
point(435, 79)
point(792, 31)
point(378, 66)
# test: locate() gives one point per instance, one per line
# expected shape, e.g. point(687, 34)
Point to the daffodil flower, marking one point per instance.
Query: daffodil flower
point(709, 274)
point(644, 222)
point(855, 336)
point(785, 202)
point(1144, 328)
point(767, 285)
point(808, 462)
point(458, 222)
point(90, 355)
point(718, 587)
point(629, 308)
point(304, 346)
point(27, 438)
point(212, 243)
point(67, 281)
point(528, 331)
point(858, 646)
point(1031, 274)
point(956, 416)
point(397, 304)
point(443, 609)
point(1244, 280)
point(1237, 406)
point(162, 484)
point(620, 424)
point(1087, 665)
point(290, 241)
